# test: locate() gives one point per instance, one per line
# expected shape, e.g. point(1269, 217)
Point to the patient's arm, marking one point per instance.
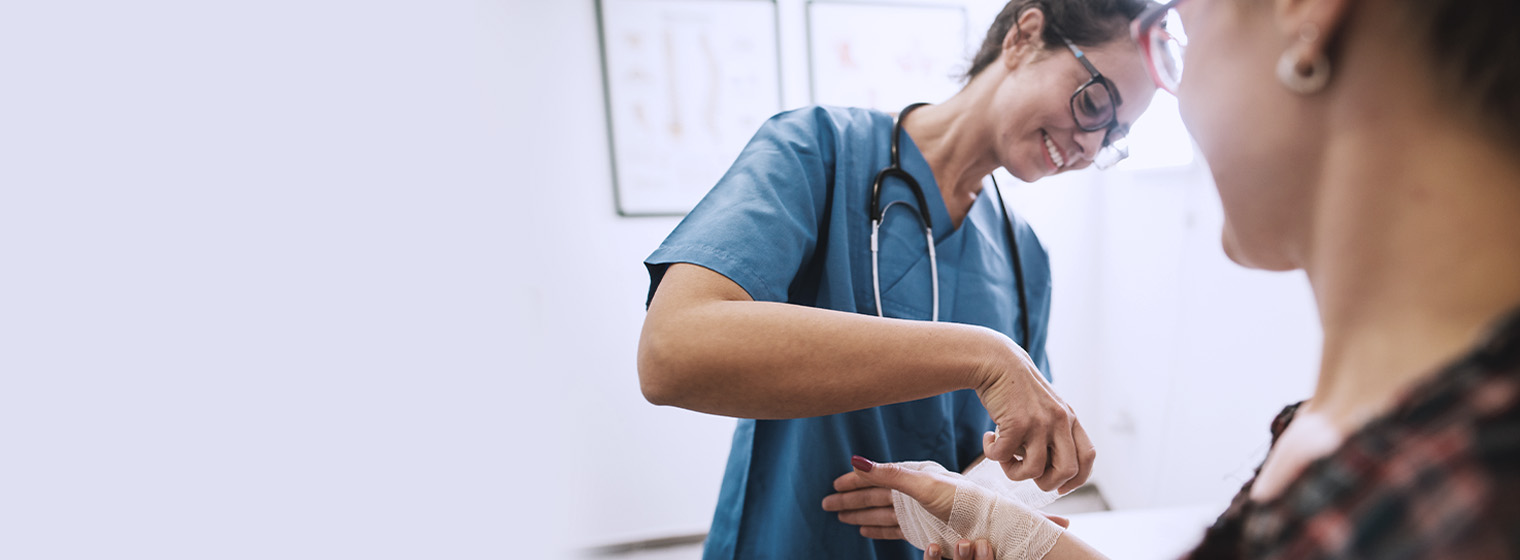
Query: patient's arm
point(1069, 547)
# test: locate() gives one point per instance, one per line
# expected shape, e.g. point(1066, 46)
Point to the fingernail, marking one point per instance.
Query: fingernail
point(862, 463)
point(964, 547)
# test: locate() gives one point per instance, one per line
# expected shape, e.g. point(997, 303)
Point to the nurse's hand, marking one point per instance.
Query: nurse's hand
point(864, 504)
point(1038, 435)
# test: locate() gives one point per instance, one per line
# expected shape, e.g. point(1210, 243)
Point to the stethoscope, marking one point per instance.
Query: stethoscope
point(878, 216)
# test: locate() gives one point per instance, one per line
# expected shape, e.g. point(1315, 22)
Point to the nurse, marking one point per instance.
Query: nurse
point(762, 304)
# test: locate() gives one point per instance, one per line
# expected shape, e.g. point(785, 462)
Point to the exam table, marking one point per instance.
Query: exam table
point(1145, 534)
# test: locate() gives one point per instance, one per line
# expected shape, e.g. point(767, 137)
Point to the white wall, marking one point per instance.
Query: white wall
point(270, 278)
point(1198, 354)
point(344, 279)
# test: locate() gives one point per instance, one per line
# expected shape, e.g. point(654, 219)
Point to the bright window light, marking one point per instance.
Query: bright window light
point(1158, 139)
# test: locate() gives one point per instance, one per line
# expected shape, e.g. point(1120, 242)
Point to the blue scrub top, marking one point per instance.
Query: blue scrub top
point(760, 226)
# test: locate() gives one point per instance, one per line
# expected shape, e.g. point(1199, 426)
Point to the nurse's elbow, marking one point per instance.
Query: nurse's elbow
point(659, 379)
point(657, 390)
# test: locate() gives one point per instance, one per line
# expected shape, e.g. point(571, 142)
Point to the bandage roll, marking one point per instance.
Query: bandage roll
point(989, 474)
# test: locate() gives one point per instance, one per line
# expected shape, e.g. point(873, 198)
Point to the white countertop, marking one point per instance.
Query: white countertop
point(1144, 534)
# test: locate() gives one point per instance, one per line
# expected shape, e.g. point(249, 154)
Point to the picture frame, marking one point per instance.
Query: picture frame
point(885, 55)
point(686, 84)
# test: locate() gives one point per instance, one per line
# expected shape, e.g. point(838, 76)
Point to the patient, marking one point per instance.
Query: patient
point(1374, 144)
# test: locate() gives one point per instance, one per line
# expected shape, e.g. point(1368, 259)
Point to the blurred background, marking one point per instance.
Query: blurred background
point(333, 278)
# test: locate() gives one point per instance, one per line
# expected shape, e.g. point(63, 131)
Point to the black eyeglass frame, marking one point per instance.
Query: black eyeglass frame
point(1111, 123)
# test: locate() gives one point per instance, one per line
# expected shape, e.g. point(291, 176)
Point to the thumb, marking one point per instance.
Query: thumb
point(1058, 520)
point(1001, 449)
point(916, 484)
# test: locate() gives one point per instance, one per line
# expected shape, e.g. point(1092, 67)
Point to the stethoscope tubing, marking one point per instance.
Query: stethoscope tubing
point(878, 216)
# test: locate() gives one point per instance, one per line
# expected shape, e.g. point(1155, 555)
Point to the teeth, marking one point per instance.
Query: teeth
point(1055, 155)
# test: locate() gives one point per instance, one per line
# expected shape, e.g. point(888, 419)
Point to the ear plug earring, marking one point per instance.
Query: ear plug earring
point(1300, 76)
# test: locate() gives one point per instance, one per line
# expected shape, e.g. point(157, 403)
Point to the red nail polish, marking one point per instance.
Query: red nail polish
point(862, 463)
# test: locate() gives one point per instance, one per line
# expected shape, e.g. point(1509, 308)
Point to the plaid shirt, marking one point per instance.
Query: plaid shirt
point(1436, 477)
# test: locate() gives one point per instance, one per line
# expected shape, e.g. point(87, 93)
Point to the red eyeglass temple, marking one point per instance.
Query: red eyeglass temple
point(1143, 37)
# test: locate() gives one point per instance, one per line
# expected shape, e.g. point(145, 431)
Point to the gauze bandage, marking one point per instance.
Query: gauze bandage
point(989, 474)
point(992, 507)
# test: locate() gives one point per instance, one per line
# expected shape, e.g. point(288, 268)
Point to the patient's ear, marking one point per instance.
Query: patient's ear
point(1314, 23)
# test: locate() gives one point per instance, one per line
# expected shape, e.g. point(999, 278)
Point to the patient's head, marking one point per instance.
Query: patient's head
point(1276, 89)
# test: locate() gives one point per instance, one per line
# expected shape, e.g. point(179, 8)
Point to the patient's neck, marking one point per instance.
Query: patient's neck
point(1415, 251)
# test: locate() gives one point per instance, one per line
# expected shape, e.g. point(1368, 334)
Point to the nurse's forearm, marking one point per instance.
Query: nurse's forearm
point(771, 360)
point(707, 347)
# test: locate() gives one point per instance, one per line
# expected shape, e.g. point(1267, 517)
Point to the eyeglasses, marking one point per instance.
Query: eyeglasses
point(1094, 107)
point(1162, 39)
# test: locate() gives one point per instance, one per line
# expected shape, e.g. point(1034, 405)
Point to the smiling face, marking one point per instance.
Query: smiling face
point(1041, 136)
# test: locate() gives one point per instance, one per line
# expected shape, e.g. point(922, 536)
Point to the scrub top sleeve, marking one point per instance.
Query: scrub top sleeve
point(759, 224)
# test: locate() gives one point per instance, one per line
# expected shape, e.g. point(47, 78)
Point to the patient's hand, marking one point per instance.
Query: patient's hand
point(864, 504)
point(869, 505)
point(936, 491)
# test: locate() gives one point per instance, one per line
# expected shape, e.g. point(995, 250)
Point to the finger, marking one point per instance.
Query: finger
point(918, 485)
point(991, 437)
point(881, 533)
point(933, 552)
point(1058, 520)
point(1033, 464)
point(1087, 454)
point(858, 499)
point(881, 517)
point(1063, 462)
point(1006, 441)
point(850, 481)
point(964, 550)
point(983, 550)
